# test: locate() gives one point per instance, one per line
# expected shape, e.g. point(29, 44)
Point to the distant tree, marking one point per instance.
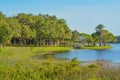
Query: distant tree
point(26, 33)
point(117, 39)
point(63, 31)
point(15, 27)
point(41, 29)
point(5, 33)
point(96, 38)
point(85, 38)
point(75, 36)
point(99, 30)
point(107, 37)
point(102, 36)
point(2, 16)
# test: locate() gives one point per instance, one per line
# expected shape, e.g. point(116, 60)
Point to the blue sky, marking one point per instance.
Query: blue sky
point(82, 15)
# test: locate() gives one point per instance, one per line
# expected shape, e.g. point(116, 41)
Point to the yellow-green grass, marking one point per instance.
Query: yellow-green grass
point(23, 59)
point(19, 63)
point(12, 55)
point(26, 52)
point(54, 48)
point(97, 47)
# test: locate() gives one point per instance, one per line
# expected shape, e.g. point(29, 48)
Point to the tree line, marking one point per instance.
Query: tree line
point(46, 30)
point(101, 36)
point(38, 30)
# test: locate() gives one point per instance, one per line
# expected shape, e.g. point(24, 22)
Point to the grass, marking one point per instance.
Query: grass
point(97, 47)
point(32, 63)
point(54, 48)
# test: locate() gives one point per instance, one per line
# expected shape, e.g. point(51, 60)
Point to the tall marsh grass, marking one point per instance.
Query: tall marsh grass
point(17, 63)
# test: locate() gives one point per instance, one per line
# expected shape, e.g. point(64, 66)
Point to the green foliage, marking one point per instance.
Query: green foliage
point(75, 36)
point(96, 47)
point(15, 27)
point(108, 36)
point(117, 39)
point(99, 28)
point(96, 37)
point(86, 38)
point(5, 32)
point(37, 63)
point(27, 33)
point(102, 36)
point(17, 63)
point(93, 66)
point(46, 30)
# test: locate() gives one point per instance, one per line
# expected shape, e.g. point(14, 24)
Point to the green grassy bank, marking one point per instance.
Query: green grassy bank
point(32, 63)
point(96, 47)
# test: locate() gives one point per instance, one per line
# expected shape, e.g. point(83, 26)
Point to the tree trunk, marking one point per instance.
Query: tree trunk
point(14, 42)
point(58, 42)
point(104, 43)
point(21, 42)
point(39, 42)
point(43, 42)
point(1, 47)
point(94, 44)
point(24, 42)
point(100, 44)
point(34, 41)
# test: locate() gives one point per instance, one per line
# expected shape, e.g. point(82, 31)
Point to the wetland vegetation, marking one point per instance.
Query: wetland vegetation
point(21, 63)
point(28, 42)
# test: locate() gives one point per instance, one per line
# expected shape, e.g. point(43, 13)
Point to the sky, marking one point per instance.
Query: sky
point(81, 15)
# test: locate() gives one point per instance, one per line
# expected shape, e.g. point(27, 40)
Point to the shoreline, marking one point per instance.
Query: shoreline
point(102, 63)
point(96, 47)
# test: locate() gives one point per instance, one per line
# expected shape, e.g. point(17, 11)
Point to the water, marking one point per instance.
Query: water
point(111, 55)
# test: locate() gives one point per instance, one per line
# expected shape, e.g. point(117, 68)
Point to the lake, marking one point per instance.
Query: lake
point(111, 55)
